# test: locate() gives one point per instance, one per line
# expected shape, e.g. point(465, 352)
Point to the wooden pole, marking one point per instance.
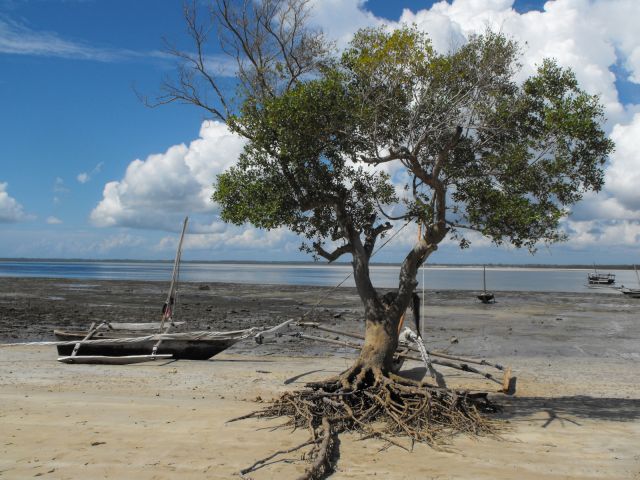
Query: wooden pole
point(422, 314)
point(434, 353)
point(168, 311)
point(484, 278)
point(462, 367)
point(330, 330)
point(92, 330)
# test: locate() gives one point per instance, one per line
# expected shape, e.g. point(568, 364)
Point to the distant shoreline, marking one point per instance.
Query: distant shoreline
point(302, 263)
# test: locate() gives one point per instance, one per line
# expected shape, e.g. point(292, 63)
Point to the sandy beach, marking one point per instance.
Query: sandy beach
point(576, 413)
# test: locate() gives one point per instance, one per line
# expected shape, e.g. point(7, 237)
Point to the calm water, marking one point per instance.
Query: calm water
point(436, 278)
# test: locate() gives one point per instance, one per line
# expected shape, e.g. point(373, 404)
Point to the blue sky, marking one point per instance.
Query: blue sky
point(72, 125)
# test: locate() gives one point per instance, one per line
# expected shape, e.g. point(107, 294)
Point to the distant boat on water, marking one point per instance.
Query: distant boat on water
point(596, 278)
point(485, 297)
point(632, 292)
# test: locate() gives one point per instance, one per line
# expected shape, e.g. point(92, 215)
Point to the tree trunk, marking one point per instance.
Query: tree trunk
point(381, 321)
point(380, 340)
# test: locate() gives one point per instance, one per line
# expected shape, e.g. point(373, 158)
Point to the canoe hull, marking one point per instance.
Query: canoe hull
point(186, 349)
point(486, 297)
point(631, 292)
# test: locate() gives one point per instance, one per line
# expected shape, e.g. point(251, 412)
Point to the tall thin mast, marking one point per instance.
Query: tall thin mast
point(484, 278)
point(167, 311)
point(636, 270)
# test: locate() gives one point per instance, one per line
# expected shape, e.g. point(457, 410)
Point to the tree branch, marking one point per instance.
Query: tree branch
point(401, 153)
point(332, 256)
point(373, 234)
point(461, 225)
point(444, 153)
point(360, 257)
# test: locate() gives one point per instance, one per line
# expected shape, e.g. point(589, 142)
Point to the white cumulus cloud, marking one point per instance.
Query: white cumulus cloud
point(157, 191)
point(599, 233)
point(587, 36)
point(229, 236)
point(623, 174)
point(53, 220)
point(10, 209)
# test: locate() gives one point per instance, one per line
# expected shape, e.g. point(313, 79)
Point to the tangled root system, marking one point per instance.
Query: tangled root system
point(365, 401)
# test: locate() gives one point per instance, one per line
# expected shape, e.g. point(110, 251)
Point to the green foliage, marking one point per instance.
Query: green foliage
point(296, 169)
point(540, 149)
point(478, 150)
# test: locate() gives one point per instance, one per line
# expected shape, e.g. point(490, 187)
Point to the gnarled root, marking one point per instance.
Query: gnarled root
point(367, 401)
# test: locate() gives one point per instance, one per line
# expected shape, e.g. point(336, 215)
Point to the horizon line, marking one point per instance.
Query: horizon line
point(616, 266)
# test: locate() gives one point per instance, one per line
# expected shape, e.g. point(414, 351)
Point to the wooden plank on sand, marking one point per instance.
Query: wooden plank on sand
point(111, 360)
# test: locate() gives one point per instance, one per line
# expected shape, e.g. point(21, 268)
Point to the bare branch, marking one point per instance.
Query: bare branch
point(332, 256)
point(270, 42)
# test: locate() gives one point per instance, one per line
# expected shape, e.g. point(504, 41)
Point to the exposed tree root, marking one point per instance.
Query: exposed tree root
point(365, 401)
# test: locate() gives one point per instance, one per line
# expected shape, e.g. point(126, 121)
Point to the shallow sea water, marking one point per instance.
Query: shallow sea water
point(435, 277)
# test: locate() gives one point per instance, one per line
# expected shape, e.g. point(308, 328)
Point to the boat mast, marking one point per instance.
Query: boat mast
point(636, 270)
point(167, 310)
point(484, 278)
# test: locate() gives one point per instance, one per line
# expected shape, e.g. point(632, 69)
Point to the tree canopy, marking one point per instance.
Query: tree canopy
point(477, 150)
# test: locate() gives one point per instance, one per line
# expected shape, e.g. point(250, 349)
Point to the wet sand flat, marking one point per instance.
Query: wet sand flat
point(576, 413)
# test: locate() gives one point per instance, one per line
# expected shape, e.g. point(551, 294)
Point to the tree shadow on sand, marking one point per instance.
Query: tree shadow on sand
point(571, 408)
point(563, 409)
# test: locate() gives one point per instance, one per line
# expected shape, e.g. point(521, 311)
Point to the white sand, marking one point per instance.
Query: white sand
point(571, 419)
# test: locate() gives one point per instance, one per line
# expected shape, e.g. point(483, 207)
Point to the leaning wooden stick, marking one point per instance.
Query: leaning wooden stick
point(462, 367)
point(90, 333)
point(328, 340)
point(433, 353)
point(330, 330)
